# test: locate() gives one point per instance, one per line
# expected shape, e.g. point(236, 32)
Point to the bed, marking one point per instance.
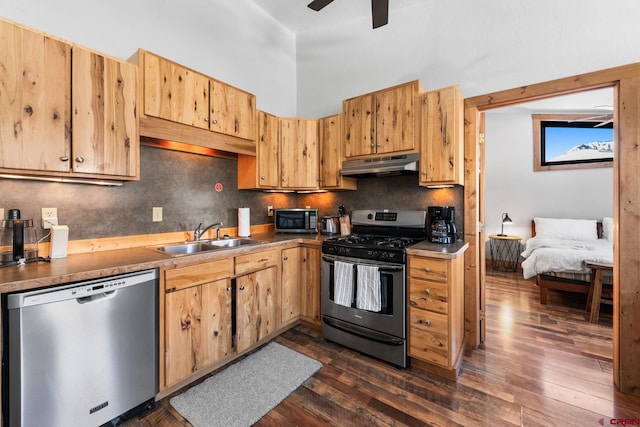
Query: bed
point(558, 250)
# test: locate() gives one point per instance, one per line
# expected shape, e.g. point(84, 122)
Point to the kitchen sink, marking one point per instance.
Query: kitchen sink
point(188, 248)
point(205, 246)
point(232, 243)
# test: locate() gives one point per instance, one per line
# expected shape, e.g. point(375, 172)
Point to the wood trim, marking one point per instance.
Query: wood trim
point(626, 79)
point(598, 226)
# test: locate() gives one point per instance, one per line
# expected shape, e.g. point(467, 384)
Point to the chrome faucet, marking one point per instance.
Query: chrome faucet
point(197, 233)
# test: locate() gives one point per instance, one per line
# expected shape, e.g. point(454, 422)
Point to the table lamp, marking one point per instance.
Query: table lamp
point(505, 220)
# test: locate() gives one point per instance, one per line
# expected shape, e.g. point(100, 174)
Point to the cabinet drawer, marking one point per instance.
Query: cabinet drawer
point(428, 268)
point(428, 337)
point(192, 275)
point(257, 261)
point(428, 295)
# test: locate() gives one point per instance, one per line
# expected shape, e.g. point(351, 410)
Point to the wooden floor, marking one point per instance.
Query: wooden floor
point(539, 366)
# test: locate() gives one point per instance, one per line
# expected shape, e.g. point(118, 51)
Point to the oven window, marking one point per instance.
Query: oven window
point(386, 290)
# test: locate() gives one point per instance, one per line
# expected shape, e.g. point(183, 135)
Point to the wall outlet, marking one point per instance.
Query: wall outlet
point(269, 210)
point(49, 217)
point(157, 214)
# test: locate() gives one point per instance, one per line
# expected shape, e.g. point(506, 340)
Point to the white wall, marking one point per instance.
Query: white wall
point(485, 46)
point(233, 41)
point(513, 187)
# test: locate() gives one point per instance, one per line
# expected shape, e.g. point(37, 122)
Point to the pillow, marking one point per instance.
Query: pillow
point(607, 228)
point(568, 229)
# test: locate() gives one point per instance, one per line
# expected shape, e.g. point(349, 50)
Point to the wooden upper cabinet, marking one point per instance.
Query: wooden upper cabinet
point(34, 100)
point(176, 93)
point(331, 156)
point(232, 111)
point(441, 135)
point(395, 119)
point(105, 124)
point(359, 126)
point(299, 153)
point(263, 169)
point(381, 122)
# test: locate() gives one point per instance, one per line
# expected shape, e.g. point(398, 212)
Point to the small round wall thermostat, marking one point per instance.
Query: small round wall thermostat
point(218, 187)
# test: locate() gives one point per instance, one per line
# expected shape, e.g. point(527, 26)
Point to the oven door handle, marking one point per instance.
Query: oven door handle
point(362, 332)
point(383, 267)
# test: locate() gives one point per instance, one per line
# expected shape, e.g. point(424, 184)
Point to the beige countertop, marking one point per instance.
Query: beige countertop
point(98, 264)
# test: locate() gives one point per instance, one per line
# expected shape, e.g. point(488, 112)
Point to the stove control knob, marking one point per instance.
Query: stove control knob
point(370, 216)
point(374, 254)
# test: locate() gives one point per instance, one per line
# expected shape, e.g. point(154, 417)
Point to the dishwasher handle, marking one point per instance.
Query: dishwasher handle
point(97, 297)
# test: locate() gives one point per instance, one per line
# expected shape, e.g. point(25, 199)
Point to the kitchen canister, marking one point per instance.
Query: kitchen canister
point(244, 222)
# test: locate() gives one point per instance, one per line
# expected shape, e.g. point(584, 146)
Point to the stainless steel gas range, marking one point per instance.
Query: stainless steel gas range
point(363, 283)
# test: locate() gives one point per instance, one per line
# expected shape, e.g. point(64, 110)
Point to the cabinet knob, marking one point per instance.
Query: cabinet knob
point(80, 159)
point(206, 119)
point(229, 288)
point(64, 158)
point(378, 145)
point(427, 292)
point(284, 180)
point(427, 269)
point(242, 288)
point(215, 122)
point(424, 173)
point(372, 145)
point(286, 258)
point(263, 178)
point(425, 322)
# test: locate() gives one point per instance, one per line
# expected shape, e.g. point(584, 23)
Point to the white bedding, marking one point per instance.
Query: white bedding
point(543, 255)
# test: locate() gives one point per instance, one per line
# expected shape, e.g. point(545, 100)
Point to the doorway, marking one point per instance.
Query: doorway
point(626, 83)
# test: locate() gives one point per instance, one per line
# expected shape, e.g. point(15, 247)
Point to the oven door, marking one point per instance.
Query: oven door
point(391, 319)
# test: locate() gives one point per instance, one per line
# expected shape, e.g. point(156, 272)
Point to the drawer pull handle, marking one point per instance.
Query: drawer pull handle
point(427, 269)
point(427, 292)
point(426, 322)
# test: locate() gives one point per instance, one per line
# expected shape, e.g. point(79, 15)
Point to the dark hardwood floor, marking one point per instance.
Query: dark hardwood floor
point(539, 366)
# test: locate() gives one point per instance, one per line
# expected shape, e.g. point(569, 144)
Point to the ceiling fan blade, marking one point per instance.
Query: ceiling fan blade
point(379, 12)
point(606, 122)
point(318, 5)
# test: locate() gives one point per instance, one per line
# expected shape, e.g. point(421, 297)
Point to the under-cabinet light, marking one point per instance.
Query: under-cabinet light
point(66, 180)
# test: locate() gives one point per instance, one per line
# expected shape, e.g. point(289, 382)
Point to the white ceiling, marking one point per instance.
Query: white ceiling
point(297, 17)
point(593, 101)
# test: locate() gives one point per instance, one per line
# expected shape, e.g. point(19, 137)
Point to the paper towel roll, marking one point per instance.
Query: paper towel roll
point(244, 222)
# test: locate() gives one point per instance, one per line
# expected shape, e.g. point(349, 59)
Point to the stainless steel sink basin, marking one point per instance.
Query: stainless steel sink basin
point(188, 248)
point(232, 243)
point(205, 246)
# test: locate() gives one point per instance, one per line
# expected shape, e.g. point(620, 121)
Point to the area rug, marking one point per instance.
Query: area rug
point(244, 392)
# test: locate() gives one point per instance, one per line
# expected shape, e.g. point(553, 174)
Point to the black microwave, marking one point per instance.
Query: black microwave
point(296, 220)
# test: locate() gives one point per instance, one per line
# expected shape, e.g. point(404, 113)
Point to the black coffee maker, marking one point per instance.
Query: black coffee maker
point(441, 227)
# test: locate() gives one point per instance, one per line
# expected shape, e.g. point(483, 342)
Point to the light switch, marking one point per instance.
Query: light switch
point(157, 214)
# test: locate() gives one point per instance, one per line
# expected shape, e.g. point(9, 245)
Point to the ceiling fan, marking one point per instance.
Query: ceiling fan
point(605, 118)
point(379, 10)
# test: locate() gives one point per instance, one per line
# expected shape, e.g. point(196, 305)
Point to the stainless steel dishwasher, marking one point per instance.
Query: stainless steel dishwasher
point(82, 354)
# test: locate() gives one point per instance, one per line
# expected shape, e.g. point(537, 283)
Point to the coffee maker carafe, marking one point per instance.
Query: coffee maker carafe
point(17, 239)
point(441, 227)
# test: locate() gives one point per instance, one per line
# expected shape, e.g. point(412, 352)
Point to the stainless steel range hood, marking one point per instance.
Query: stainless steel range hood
point(381, 166)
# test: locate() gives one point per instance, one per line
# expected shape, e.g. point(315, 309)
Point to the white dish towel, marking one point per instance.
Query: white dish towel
point(343, 283)
point(368, 295)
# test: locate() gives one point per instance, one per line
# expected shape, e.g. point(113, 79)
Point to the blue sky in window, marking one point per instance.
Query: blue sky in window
point(559, 140)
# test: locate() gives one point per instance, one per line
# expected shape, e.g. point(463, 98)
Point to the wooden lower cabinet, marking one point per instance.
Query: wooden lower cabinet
point(256, 307)
point(290, 269)
point(301, 284)
point(436, 313)
point(197, 318)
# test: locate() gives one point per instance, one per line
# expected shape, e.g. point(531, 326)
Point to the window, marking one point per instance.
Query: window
point(572, 141)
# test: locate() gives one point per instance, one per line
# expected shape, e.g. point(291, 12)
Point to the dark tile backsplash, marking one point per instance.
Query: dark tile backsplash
point(183, 185)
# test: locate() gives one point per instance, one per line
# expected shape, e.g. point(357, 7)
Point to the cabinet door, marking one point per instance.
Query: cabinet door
point(255, 307)
point(359, 125)
point(310, 284)
point(105, 125)
point(395, 119)
point(197, 328)
point(232, 111)
point(176, 93)
point(35, 72)
point(331, 155)
point(441, 137)
point(290, 284)
point(267, 151)
point(299, 153)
